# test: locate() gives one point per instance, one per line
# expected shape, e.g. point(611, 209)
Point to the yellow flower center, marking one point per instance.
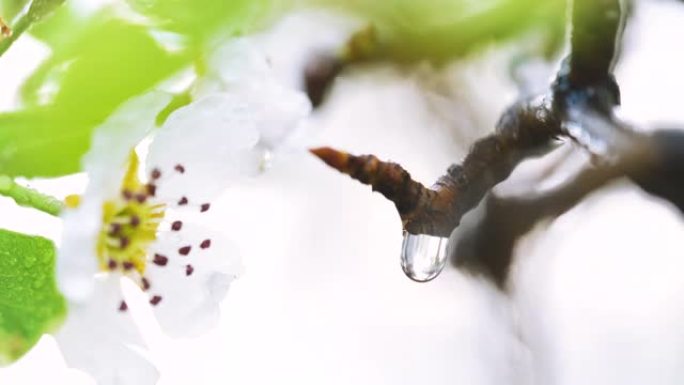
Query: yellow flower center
point(129, 223)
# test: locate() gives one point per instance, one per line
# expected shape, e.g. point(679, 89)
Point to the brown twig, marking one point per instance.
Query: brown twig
point(524, 130)
point(487, 246)
point(580, 107)
point(656, 165)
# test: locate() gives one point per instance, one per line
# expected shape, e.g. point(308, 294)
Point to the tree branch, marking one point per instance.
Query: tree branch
point(525, 129)
point(657, 166)
point(580, 107)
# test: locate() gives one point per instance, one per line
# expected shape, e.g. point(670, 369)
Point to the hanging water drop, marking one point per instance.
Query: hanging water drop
point(266, 161)
point(423, 256)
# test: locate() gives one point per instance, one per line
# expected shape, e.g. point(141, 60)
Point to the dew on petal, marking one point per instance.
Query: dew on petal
point(423, 256)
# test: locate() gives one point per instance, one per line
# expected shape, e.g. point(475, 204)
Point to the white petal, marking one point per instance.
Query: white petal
point(278, 110)
point(76, 257)
point(292, 41)
point(211, 139)
point(282, 51)
point(114, 139)
point(240, 65)
point(239, 60)
point(105, 164)
point(190, 303)
point(234, 62)
point(98, 339)
point(244, 68)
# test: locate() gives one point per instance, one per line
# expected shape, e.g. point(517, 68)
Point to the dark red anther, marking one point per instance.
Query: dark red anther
point(160, 260)
point(135, 220)
point(205, 244)
point(176, 225)
point(114, 228)
point(151, 189)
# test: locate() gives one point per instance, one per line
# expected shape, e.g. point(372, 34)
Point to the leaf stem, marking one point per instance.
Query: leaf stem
point(28, 197)
point(18, 28)
point(38, 10)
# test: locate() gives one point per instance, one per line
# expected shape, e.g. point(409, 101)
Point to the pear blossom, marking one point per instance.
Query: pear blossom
point(268, 68)
point(241, 66)
point(140, 219)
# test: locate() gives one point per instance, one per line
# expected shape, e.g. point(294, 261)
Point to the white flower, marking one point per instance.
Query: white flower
point(241, 68)
point(267, 68)
point(137, 220)
point(284, 49)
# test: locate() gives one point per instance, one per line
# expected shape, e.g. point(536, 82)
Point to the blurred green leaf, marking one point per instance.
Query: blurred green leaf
point(39, 9)
point(57, 29)
point(11, 8)
point(75, 89)
point(441, 30)
point(200, 19)
point(30, 304)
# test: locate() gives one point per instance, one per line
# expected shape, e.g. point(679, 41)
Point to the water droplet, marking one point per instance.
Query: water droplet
point(266, 161)
point(423, 256)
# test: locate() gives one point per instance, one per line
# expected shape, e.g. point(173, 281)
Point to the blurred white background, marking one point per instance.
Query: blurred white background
point(597, 297)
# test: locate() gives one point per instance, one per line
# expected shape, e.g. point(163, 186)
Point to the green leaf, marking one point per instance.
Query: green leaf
point(57, 29)
point(79, 86)
point(30, 304)
point(11, 8)
point(42, 8)
point(441, 30)
point(200, 19)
